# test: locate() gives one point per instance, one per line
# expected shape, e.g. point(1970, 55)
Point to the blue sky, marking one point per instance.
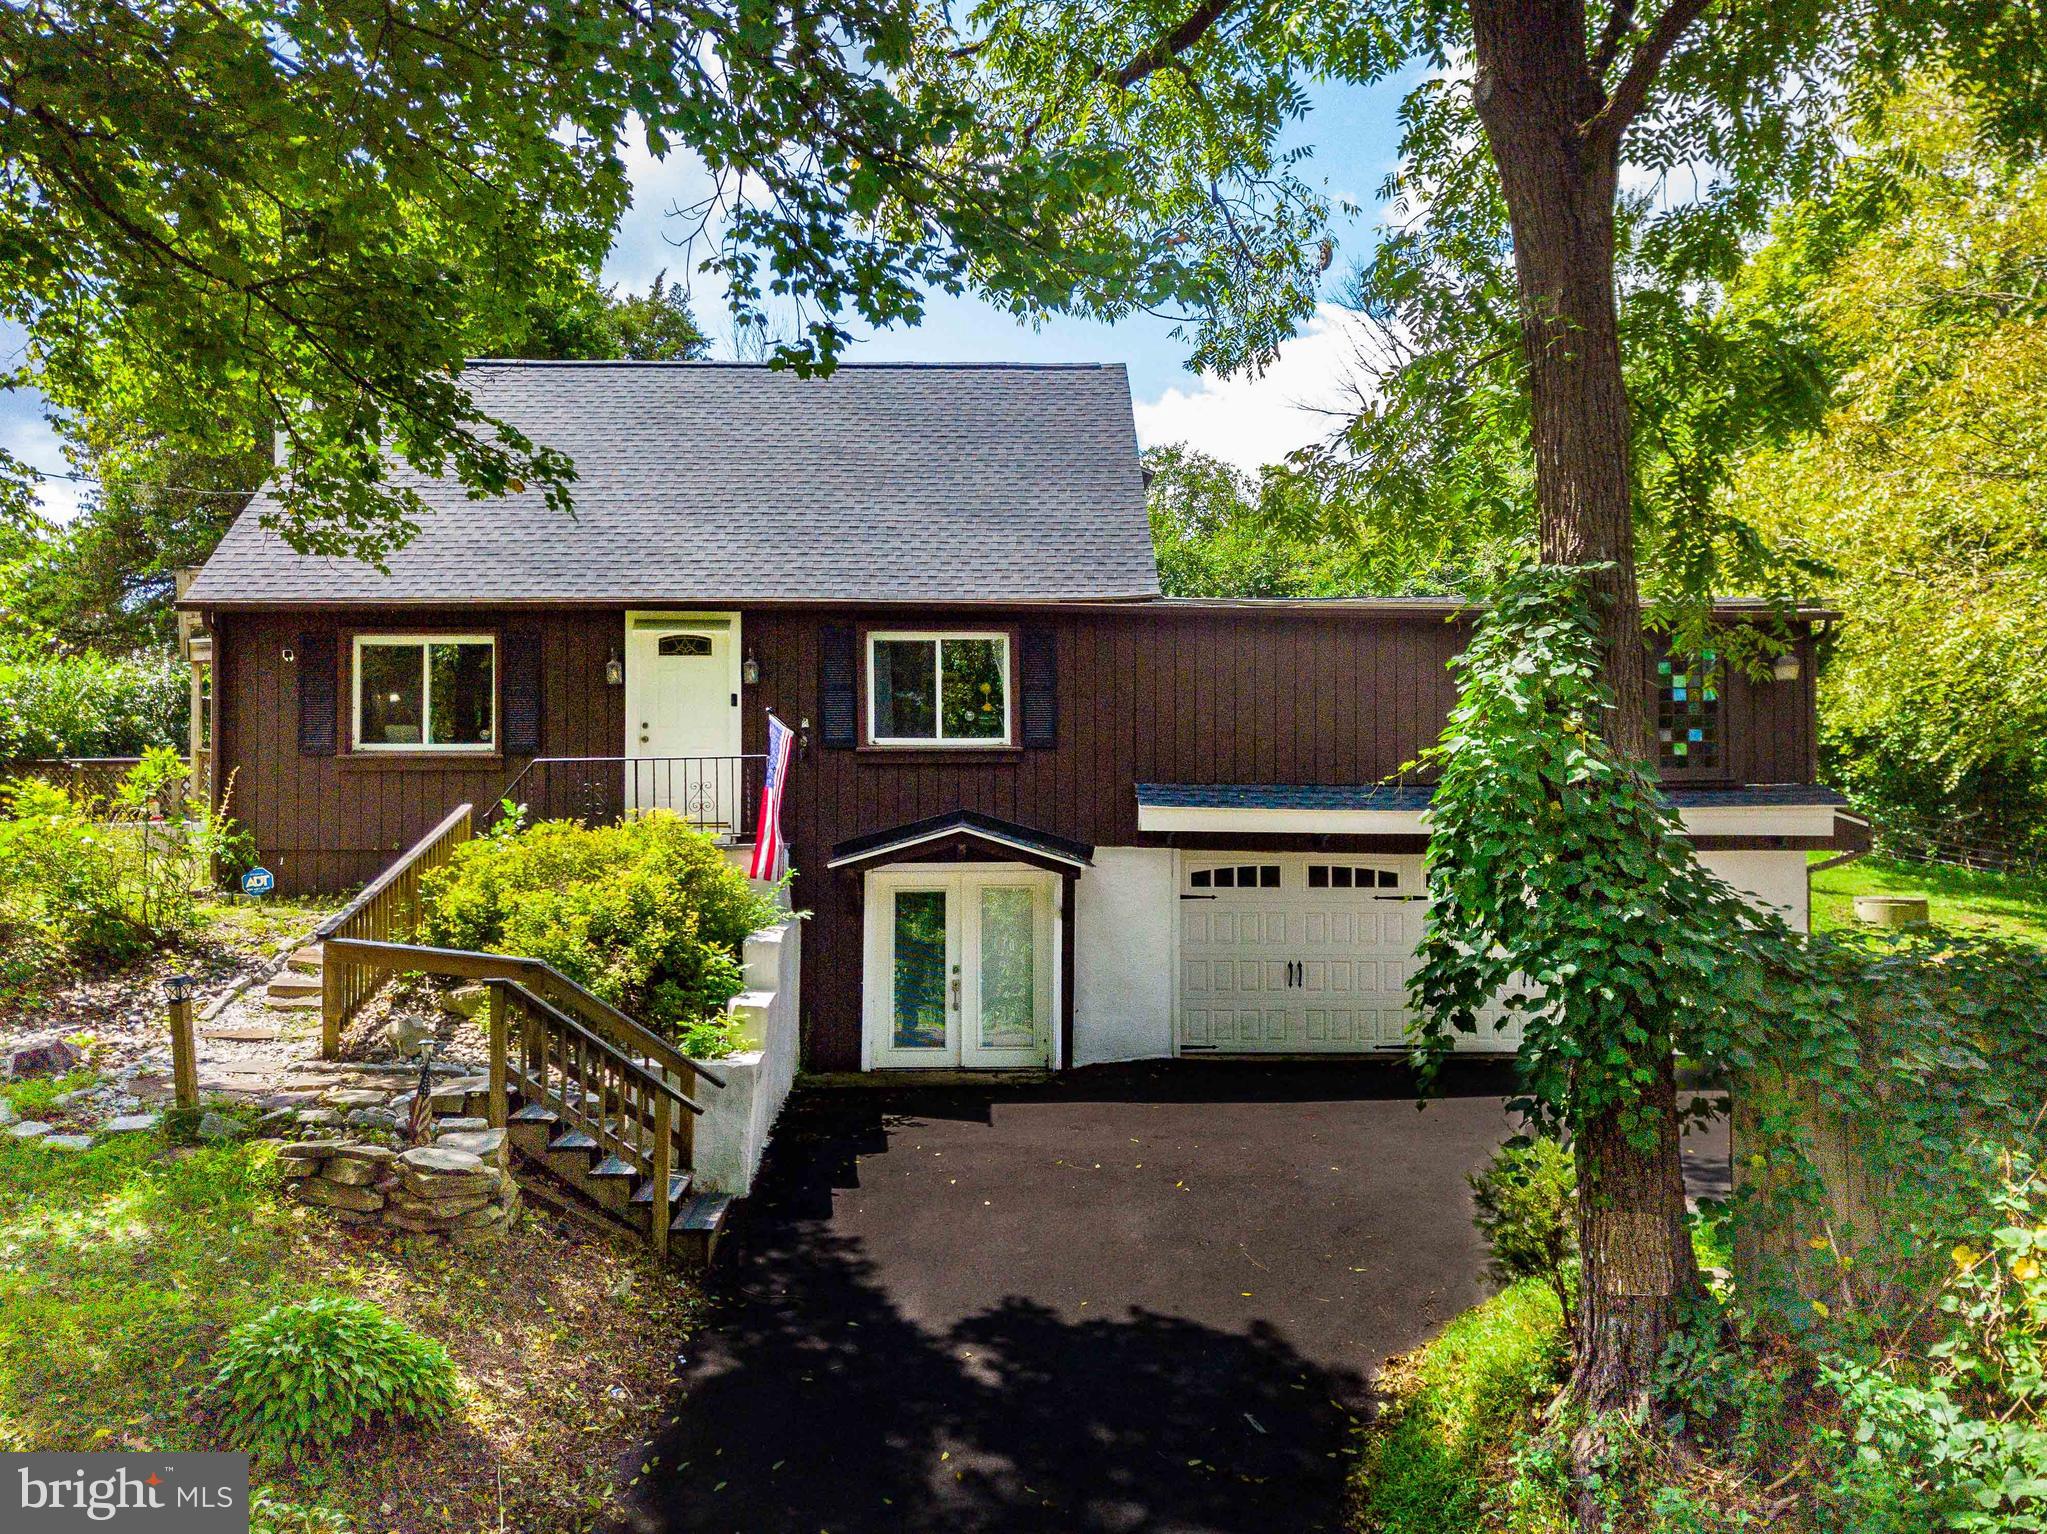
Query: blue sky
point(1355, 136)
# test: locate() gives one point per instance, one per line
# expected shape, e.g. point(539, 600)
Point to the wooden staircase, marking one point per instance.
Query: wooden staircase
point(599, 1111)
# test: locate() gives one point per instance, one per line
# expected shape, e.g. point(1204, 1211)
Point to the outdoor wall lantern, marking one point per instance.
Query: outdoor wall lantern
point(1785, 668)
point(614, 671)
point(750, 671)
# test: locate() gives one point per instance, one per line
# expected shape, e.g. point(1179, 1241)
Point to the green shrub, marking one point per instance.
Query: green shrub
point(89, 705)
point(648, 914)
point(303, 1377)
point(1526, 1206)
point(86, 881)
point(1953, 1435)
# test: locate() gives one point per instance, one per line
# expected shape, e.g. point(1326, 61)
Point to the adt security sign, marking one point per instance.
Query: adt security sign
point(258, 881)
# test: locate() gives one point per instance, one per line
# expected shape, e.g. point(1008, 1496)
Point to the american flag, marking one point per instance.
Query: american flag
point(770, 852)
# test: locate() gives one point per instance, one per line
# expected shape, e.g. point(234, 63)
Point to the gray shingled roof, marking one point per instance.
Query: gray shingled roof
point(732, 482)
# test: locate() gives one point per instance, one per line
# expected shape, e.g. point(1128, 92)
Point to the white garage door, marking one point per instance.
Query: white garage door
point(1300, 953)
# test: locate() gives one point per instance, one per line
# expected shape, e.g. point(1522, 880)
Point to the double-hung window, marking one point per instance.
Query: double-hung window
point(433, 692)
point(938, 689)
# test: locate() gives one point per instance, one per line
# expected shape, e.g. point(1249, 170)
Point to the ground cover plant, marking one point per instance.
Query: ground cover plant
point(648, 914)
point(128, 1271)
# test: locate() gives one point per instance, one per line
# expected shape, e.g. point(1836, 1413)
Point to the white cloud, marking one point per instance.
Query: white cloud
point(1310, 390)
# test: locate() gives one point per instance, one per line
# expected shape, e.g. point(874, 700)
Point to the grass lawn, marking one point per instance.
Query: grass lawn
point(1956, 897)
point(123, 1267)
point(1435, 1460)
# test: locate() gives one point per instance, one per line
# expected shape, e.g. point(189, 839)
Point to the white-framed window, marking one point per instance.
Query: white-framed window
point(938, 689)
point(1237, 876)
point(426, 692)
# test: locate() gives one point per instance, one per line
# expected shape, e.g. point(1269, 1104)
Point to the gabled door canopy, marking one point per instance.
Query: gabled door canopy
point(984, 833)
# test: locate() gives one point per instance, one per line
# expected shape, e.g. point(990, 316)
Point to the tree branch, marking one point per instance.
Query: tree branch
point(1173, 44)
point(1620, 21)
point(1632, 93)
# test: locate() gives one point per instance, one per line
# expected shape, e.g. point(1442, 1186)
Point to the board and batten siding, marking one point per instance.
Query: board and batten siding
point(325, 823)
point(1145, 693)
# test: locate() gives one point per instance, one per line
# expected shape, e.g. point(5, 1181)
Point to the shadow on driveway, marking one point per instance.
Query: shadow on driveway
point(1137, 1299)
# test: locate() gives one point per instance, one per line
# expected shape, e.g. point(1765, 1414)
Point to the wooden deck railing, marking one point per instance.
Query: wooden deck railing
point(388, 908)
point(599, 1071)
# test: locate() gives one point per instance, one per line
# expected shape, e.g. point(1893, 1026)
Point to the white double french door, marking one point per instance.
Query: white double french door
point(961, 968)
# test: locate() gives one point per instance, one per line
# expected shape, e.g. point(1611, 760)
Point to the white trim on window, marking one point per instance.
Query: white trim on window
point(937, 739)
point(423, 642)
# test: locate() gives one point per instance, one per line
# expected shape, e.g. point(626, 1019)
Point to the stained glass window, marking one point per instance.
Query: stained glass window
point(1688, 713)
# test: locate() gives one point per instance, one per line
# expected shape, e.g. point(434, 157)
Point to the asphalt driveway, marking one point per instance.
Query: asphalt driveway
point(1136, 1299)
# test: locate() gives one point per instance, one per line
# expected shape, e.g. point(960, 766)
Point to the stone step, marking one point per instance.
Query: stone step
point(307, 960)
point(293, 1003)
point(294, 983)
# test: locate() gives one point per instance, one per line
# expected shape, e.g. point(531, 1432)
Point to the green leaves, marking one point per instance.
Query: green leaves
point(300, 1378)
point(1563, 889)
point(647, 914)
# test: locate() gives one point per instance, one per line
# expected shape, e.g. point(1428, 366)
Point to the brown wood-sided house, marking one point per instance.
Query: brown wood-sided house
point(1039, 814)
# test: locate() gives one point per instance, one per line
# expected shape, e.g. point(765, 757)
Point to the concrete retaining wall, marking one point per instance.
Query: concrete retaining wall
point(733, 1132)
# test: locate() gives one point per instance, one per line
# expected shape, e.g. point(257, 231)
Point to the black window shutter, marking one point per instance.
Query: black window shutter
point(1040, 688)
point(838, 677)
point(317, 685)
point(519, 683)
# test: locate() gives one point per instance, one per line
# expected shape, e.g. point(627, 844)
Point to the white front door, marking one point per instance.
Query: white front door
point(1301, 953)
point(961, 967)
point(682, 716)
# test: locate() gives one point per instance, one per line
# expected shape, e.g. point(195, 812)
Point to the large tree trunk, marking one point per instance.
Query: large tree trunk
point(1535, 96)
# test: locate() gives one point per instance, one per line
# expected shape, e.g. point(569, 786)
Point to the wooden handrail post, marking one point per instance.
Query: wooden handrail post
point(184, 1053)
point(332, 1003)
point(499, 1109)
point(664, 1165)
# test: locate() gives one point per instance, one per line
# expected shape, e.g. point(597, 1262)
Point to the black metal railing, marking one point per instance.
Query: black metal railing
point(719, 795)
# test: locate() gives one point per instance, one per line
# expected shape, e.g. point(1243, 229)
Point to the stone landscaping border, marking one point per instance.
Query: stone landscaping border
point(459, 1189)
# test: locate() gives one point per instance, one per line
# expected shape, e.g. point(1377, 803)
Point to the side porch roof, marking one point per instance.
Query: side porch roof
point(1310, 809)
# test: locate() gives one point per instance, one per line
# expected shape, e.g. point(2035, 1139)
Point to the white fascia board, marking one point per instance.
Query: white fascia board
point(1711, 820)
point(994, 838)
point(1760, 820)
point(1282, 822)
